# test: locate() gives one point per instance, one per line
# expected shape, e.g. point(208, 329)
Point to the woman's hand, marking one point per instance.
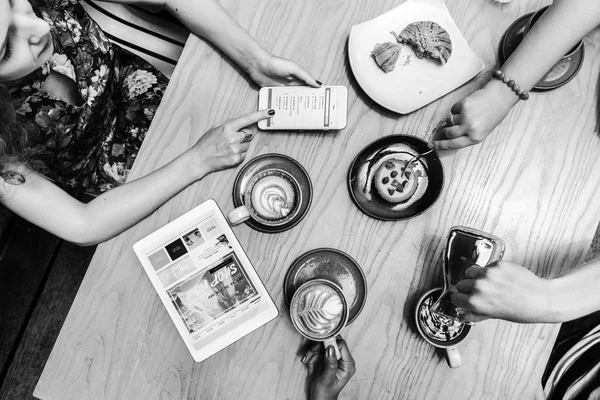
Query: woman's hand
point(327, 375)
point(504, 290)
point(216, 25)
point(277, 71)
point(224, 145)
point(475, 117)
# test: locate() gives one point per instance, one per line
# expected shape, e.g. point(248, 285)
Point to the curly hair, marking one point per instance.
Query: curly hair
point(13, 142)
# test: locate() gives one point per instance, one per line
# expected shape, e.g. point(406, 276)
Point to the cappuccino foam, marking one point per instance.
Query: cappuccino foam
point(317, 311)
point(273, 197)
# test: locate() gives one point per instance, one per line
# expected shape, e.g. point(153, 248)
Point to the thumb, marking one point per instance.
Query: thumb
point(331, 365)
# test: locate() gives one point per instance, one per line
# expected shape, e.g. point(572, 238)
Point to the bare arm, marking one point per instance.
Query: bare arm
point(44, 204)
point(575, 293)
point(208, 19)
point(509, 291)
point(563, 24)
point(560, 28)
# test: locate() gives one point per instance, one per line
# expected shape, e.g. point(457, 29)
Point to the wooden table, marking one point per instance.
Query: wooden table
point(534, 182)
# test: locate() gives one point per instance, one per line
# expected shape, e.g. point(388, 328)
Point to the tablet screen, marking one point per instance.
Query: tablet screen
point(207, 278)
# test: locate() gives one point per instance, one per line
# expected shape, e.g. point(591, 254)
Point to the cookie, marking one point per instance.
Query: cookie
point(427, 39)
point(393, 183)
point(386, 55)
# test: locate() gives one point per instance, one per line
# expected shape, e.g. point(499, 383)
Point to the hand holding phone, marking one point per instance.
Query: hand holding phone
point(304, 107)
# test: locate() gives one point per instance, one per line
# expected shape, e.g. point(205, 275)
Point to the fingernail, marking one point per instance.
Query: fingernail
point(330, 351)
point(271, 112)
point(303, 359)
point(319, 83)
point(430, 145)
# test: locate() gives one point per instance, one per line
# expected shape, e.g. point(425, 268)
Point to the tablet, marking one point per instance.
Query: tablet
point(205, 280)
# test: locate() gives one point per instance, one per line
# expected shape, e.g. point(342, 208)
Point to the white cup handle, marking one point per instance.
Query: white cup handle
point(238, 215)
point(453, 357)
point(332, 342)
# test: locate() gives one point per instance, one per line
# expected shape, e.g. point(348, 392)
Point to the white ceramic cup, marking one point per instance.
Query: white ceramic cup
point(453, 356)
point(274, 197)
point(329, 340)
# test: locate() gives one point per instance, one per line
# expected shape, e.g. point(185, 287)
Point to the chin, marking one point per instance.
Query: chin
point(46, 54)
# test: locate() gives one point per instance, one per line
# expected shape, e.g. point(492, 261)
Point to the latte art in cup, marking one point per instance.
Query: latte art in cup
point(273, 197)
point(318, 311)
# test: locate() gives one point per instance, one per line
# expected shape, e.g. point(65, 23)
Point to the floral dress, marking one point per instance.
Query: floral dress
point(92, 146)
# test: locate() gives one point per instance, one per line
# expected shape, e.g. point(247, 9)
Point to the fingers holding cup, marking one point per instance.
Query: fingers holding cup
point(315, 351)
point(346, 362)
point(471, 318)
point(465, 286)
point(462, 300)
point(475, 271)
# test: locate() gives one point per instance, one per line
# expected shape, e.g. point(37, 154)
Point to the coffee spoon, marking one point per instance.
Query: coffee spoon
point(414, 159)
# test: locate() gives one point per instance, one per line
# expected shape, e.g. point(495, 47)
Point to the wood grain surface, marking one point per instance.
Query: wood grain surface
point(534, 183)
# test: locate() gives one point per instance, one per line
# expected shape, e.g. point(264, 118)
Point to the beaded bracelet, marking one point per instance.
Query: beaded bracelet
point(498, 74)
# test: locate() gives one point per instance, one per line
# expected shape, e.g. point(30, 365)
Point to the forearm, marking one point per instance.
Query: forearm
point(46, 205)
point(575, 293)
point(557, 31)
point(120, 208)
point(208, 19)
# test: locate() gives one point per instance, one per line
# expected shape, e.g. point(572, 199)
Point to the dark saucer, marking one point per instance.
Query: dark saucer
point(273, 161)
point(335, 266)
point(559, 75)
point(376, 206)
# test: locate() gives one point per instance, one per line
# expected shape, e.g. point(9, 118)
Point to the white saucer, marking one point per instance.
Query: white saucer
point(415, 82)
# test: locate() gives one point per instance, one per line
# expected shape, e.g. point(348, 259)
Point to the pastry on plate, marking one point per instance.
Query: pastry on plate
point(386, 55)
point(386, 173)
point(395, 181)
point(427, 39)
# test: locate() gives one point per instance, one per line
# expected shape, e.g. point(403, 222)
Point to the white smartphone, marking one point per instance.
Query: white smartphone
point(304, 107)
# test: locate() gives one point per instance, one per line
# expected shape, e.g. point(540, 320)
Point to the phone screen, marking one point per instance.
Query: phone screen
point(299, 107)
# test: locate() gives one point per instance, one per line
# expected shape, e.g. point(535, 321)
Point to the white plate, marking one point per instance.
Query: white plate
point(415, 82)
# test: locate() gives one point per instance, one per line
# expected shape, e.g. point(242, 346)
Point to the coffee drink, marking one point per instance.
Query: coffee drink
point(437, 327)
point(439, 330)
point(272, 197)
point(318, 310)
